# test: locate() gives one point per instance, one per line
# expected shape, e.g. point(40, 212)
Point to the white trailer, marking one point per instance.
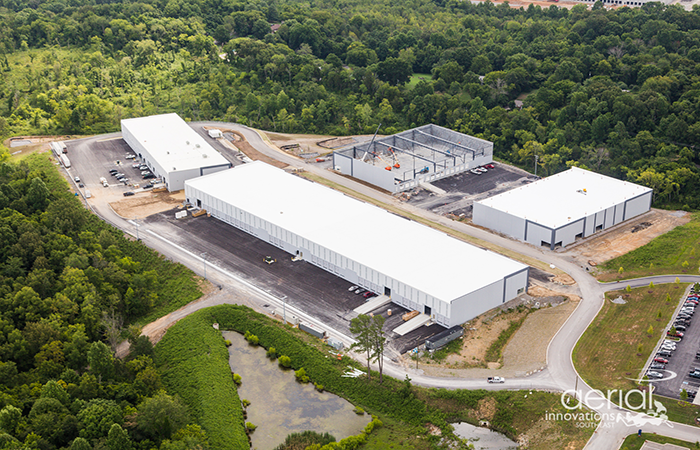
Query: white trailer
point(215, 134)
point(65, 161)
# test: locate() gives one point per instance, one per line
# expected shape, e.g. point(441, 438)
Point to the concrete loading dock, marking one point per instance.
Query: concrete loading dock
point(447, 279)
point(561, 209)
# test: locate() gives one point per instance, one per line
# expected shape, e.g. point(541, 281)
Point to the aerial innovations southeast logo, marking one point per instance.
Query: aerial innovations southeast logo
point(633, 408)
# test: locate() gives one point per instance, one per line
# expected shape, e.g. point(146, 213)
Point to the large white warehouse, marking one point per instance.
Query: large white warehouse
point(418, 267)
point(560, 209)
point(173, 150)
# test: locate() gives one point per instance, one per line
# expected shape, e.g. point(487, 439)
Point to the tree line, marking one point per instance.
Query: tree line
point(611, 90)
point(70, 287)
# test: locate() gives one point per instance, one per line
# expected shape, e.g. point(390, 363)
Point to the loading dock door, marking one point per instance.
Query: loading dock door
point(387, 291)
point(428, 310)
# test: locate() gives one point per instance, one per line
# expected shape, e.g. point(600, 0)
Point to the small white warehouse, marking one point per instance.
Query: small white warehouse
point(560, 209)
point(418, 267)
point(173, 150)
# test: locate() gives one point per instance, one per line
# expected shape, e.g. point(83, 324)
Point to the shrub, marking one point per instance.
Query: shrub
point(250, 426)
point(271, 353)
point(359, 411)
point(245, 402)
point(251, 338)
point(285, 361)
point(237, 379)
point(228, 343)
point(301, 375)
point(305, 440)
point(319, 387)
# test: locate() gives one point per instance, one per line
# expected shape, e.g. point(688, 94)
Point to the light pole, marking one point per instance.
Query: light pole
point(284, 309)
point(204, 255)
point(137, 229)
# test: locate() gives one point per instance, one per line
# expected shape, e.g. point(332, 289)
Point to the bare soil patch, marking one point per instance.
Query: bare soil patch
point(627, 237)
point(242, 144)
point(144, 204)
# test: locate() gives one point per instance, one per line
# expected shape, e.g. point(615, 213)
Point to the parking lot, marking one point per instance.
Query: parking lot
point(680, 363)
point(463, 189)
point(311, 289)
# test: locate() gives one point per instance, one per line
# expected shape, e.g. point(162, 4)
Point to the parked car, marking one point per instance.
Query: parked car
point(145, 172)
point(128, 193)
point(665, 353)
point(680, 327)
point(148, 177)
point(475, 172)
point(669, 345)
point(130, 156)
point(661, 360)
point(496, 380)
point(147, 186)
point(677, 334)
point(653, 374)
point(490, 166)
point(656, 365)
point(369, 294)
point(81, 185)
point(360, 291)
point(113, 171)
point(353, 287)
point(695, 374)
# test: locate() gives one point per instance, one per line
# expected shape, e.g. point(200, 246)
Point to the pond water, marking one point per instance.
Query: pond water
point(279, 405)
point(483, 438)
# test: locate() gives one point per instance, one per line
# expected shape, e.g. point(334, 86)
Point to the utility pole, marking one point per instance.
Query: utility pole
point(204, 255)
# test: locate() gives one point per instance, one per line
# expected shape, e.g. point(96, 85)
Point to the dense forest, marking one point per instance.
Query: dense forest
point(70, 286)
point(613, 90)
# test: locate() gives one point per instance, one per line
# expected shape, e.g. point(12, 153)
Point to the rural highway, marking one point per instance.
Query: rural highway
point(560, 374)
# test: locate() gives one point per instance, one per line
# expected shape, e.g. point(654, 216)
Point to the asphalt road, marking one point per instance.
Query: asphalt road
point(559, 375)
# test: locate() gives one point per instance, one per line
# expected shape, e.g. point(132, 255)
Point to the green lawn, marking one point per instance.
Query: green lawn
point(416, 77)
point(634, 442)
point(612, 340)
point(675, 252)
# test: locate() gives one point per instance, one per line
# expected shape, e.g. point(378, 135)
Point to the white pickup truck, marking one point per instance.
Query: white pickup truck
point(496, 380)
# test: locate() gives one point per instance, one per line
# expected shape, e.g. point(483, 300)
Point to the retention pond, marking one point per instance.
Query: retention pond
point(279, 405)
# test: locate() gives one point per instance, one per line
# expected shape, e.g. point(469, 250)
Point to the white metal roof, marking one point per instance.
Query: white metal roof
point(565, 197)
point(172, 143)
point(411, 253)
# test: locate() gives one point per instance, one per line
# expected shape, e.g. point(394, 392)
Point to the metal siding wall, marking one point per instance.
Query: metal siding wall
point(344, 162)
point(600, 218)
point(514, 283)
point(471, 305)
point(176, 179)
point(590, 226)
point(637, 206)
point(537, 233)
point(375, 175)
point(566, 235)
point(500, 221)
point(213, 169)
point(609, 217)
point(619, 211)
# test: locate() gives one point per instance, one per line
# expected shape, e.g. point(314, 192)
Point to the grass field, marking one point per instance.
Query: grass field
point(613, 339)
point(416, 77)
point(634, 442)
point(675, 252)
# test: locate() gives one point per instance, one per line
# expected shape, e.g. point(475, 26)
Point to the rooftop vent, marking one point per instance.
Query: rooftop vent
point(204, 155)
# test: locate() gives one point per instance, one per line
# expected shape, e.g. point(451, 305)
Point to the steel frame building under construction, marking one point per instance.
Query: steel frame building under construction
point(404, 160)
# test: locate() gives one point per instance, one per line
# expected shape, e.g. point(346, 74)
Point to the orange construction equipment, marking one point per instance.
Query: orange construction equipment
point(396, 160)
point(201, 212)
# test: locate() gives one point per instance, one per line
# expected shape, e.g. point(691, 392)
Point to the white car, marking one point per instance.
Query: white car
point(352, 288)
point(496, 380)
point(653, 374)
point(77, 179)
point(475, 171)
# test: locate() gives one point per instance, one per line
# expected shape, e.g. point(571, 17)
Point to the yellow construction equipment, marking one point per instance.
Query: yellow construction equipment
point(201, 212)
